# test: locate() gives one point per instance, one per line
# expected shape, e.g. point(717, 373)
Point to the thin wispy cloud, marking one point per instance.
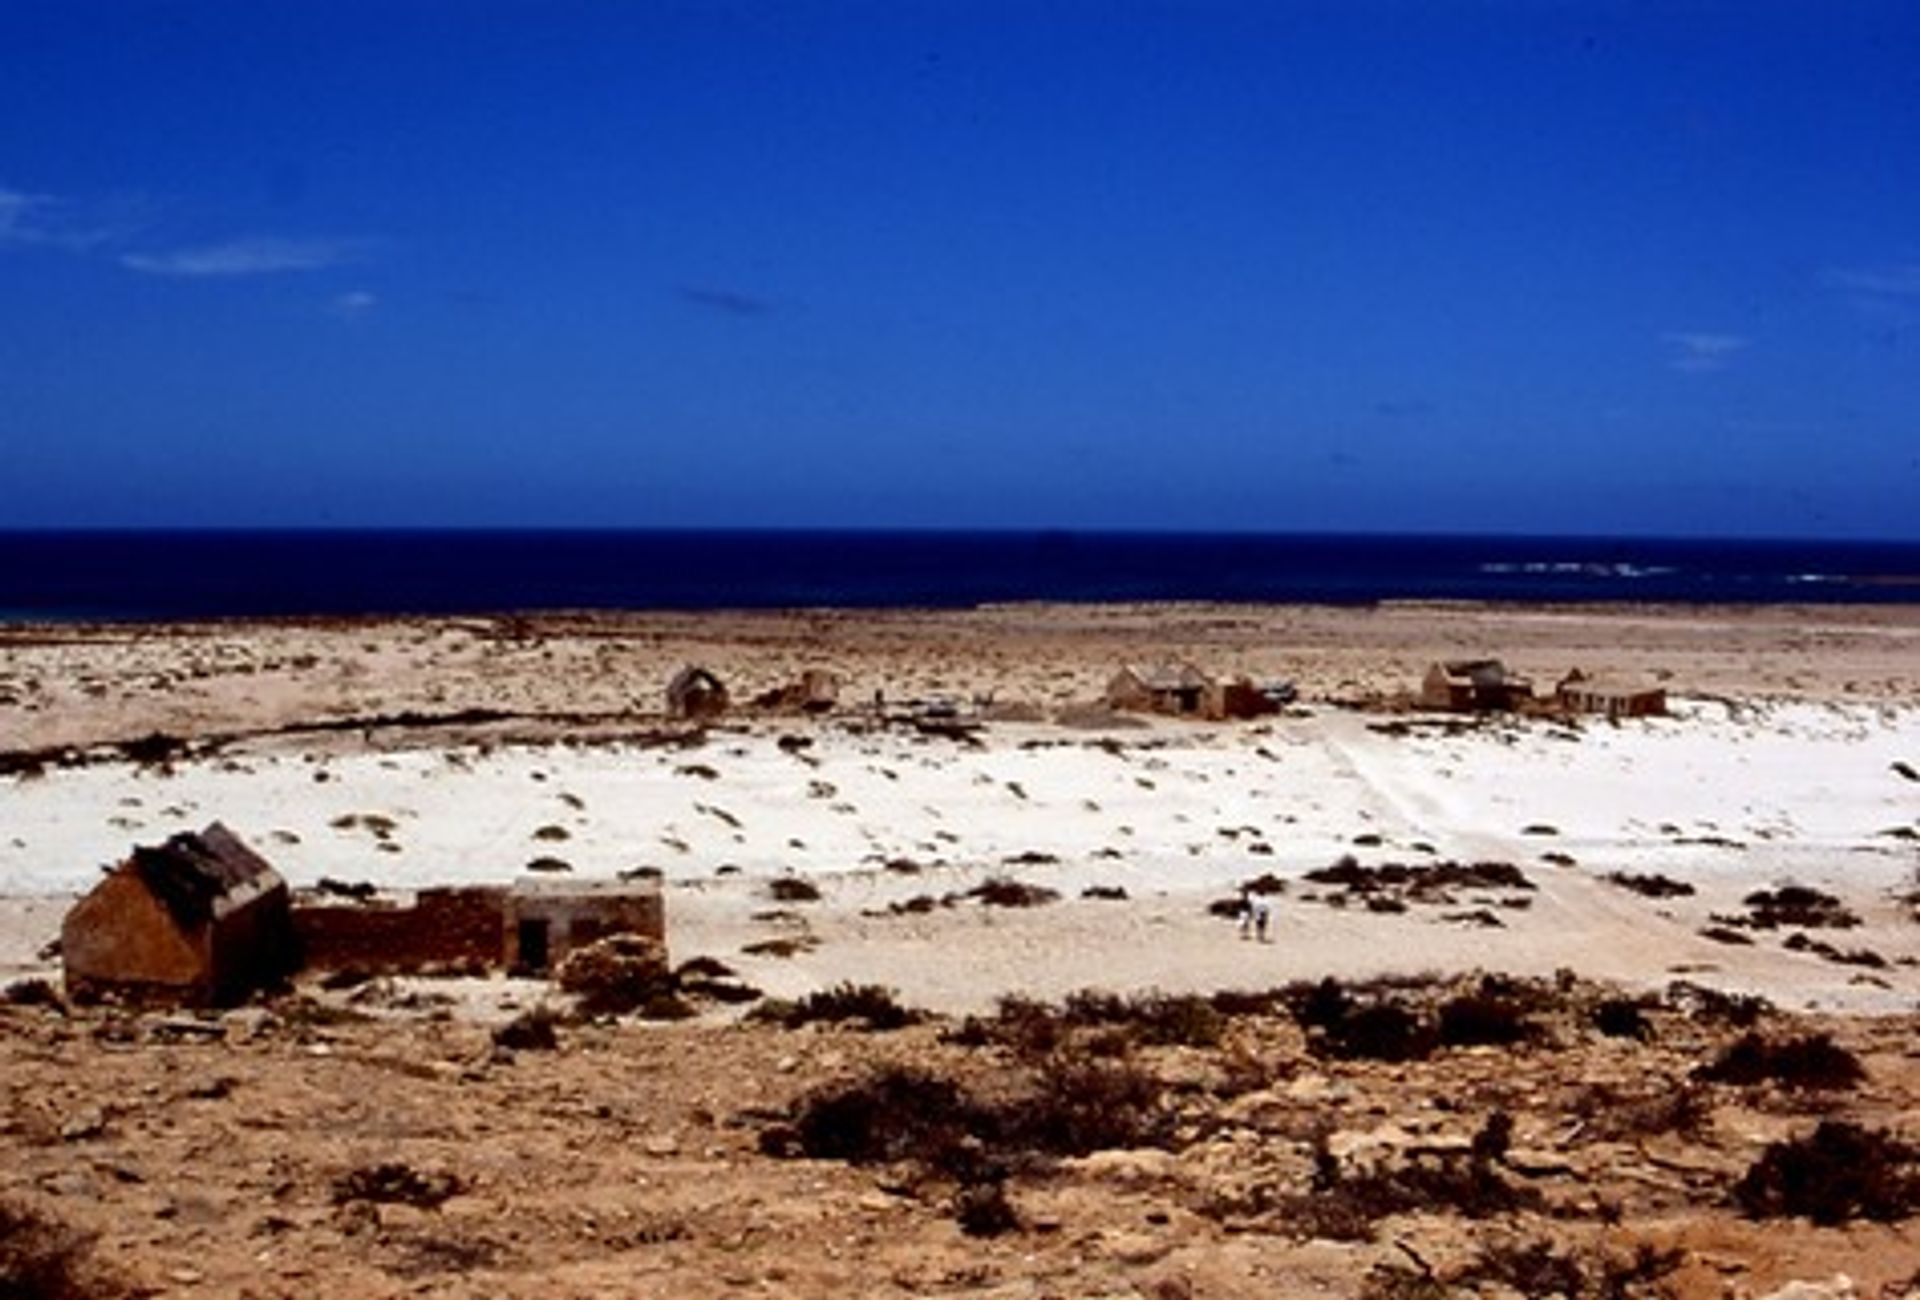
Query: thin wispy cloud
point(258, 255)
point(726, 300)
point(353, 304)
point(1695, 353)
point(46, 221)
point(1895, 280)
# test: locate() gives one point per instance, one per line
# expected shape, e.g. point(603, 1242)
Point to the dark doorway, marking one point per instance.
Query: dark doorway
point(533, 944)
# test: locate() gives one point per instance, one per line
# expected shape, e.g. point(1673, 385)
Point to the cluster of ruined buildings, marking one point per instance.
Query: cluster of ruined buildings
point(203, 920)
point(1486, 686)
point(1180, 688)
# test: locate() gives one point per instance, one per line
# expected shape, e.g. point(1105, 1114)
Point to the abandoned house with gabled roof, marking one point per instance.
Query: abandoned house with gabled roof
point(695, 692)
point(1177, 688)
point(1181, 689)
point(1473, 686)
point(1613, 699)
point(530, 926)
point(201, 920)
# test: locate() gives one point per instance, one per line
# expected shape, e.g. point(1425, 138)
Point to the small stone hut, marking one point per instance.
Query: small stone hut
point(201, 920)
point(550, 919)
point(1473, 686)
point(695, 692)
point(1579, 693)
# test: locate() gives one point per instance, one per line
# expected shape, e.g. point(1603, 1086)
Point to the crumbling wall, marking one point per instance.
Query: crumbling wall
point(446, 926)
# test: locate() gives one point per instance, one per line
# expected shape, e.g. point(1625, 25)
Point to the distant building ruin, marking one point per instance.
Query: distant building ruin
point(1474, 686)
point(530, 926)
point(201, 920)
point(1180, 689)
point(815, 691)
point(1176, 688)
point(695, 692)
point(1579, 693)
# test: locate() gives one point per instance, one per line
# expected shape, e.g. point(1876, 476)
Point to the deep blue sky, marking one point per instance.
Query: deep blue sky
point(1551, 266)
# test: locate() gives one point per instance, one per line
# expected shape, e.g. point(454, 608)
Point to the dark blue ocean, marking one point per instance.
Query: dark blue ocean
point(175, 575)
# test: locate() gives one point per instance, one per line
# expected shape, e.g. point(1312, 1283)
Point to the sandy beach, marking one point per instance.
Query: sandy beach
point(408, 753)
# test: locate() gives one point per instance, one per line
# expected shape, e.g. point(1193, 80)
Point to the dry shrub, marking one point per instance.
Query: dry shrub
point(1651, 886)
point(1067, 1106)
point(1800, 942)
point(899, 1114)
point(530, 1031)
point(703, 968)
point(983, 1210)
point(1537, 1269)
point(1003, 892)
point(1152, 1019)
point(1078, 1106)
point(1797, 905)
point(617, 974)
point(398, 1183)
point(1485, 1020)
point(1609, 1115)
point(1724, 934)
point(1622, 1018)
point(44, 1259)
point(665, 1004)
point(1244, 1002)
point(1810, 1062)
point(1345, 1206)
point(1381, 1031)
point(792, 889)
point(1031, 1028)
point(873, 1004)
point(1711, 1006)
point(1838, 1173)
point(32, 992)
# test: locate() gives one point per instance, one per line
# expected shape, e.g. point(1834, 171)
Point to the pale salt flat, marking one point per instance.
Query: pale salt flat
point(1729, 801)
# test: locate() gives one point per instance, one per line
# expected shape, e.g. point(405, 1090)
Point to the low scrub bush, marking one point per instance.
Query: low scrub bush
point(1808, 1063)
point(873, 1004)
point(1651, 886)
point(1345, 1206)
point(1797, 905)
point(1622, 1018)
point(1484, 1020)
point(1838, 1173)
point(792, 889)
point(44, 1259)
point(1003, 892)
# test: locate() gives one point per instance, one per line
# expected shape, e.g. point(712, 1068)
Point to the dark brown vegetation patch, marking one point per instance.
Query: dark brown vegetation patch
point(1099, 1021)
point(873, 1005)
point(1378, 1023)
point(792, 889)
point(1797, 905)
point(1000, 891)
point(397, 1183)
point(1799, 942)
point(44, 1259)
point(1839, 1172)
point(1650, 885)
point(1344, 1205)
point(1806, 1063)
point(1065, 1105)
point(1431, 883)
